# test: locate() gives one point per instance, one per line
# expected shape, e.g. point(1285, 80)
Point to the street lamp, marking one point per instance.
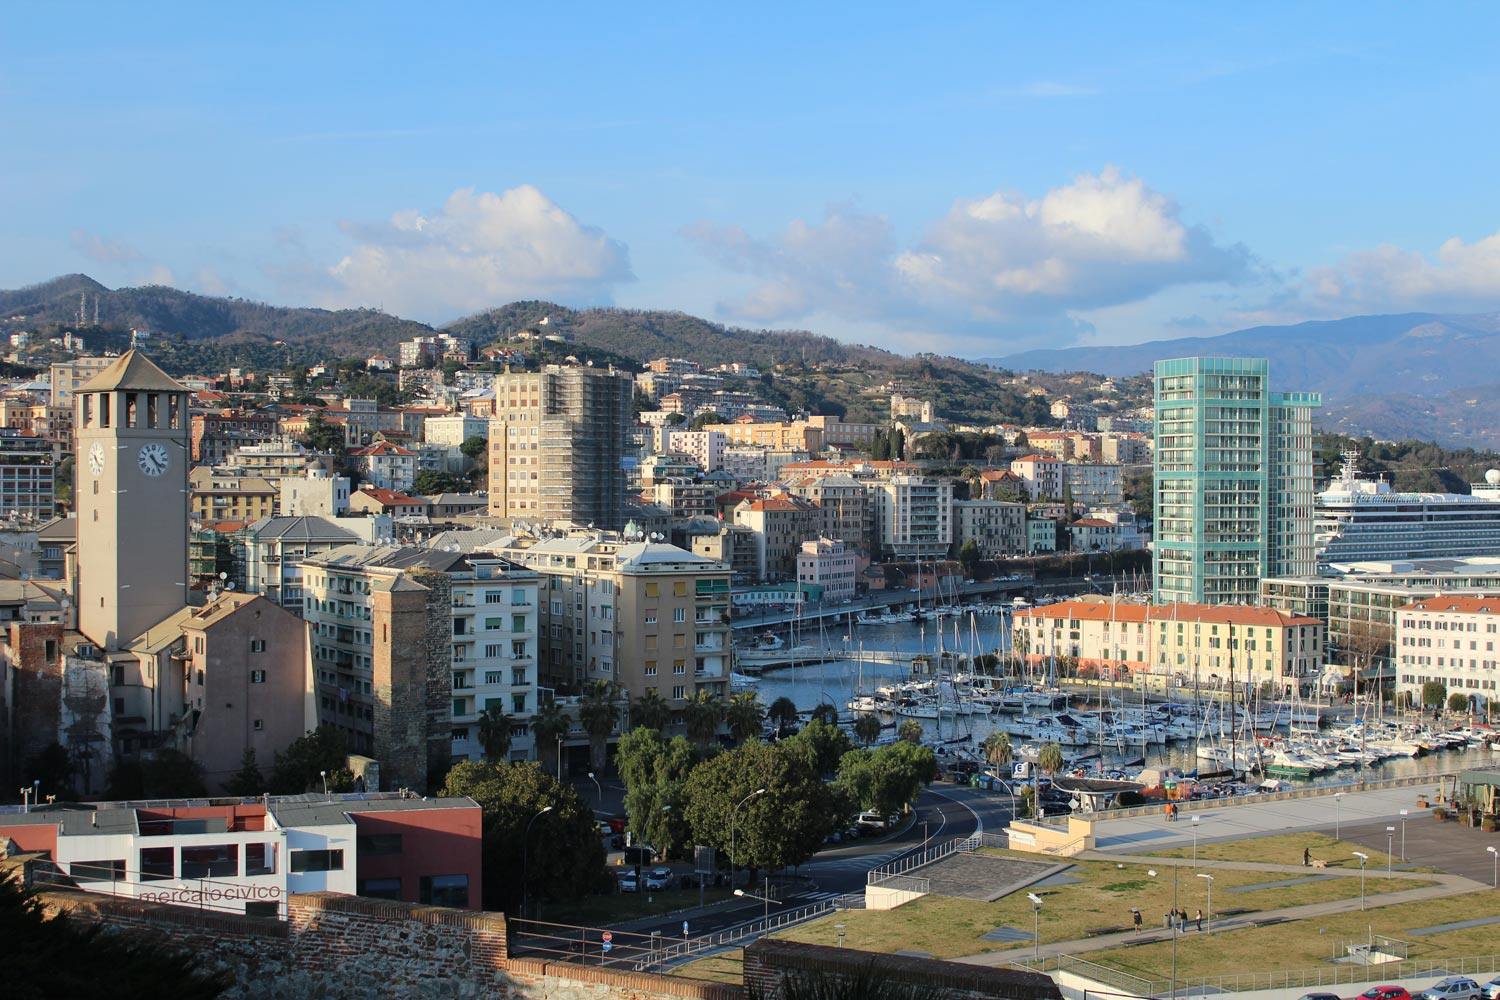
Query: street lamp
point(1495, 873)
point(733, 816)
point(1036, 925)
point(1152, 873)
point(1195, 840)
point(764, 899)
point(1364, 859)
point(1336, 797)
point(597, 787)
point(1210, 900)
point(840, 929)
point(525, 859)
point(1390, 835)
point(1403, 836)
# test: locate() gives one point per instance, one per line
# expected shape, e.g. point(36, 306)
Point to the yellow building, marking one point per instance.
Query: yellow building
point(1188, 641)
point(220, 497)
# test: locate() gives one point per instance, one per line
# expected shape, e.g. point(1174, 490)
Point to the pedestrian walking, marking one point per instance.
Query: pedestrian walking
point(1182, 920)
point(1306, 856)
point(1200, 920)
point(1135, 914)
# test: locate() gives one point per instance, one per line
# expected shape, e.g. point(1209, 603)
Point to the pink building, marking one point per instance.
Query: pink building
point(829, 564)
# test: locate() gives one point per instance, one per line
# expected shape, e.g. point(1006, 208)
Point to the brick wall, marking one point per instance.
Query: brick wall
point(36, 692)
point(768, 962)
point(437, 678)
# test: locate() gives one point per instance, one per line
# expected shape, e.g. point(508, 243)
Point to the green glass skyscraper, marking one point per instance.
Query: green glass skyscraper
point(1233, 481)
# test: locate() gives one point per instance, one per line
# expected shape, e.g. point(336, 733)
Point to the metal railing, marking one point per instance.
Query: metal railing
point(903, 883)
point(922, 856)
point(683, 950)
point(217, 894)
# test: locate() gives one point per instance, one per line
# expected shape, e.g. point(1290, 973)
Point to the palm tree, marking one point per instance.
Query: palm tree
point(910, 730)
point(702, 714)
point(650, 711)
point(997, 749)
point(599, 711)
point(783, 712)
point(549, 725)
point(745, 716)
point(826, 711)
point(494, 732)
point(867, 728)
point(1050, 759)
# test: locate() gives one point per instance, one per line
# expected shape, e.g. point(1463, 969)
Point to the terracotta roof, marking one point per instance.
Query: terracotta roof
point(380, 448)
point(1488, 604)
point(780, 503)
point(1224, 614)
point(391, 498)
point(1036, 458)
point(133, 370)
point(1093, 522)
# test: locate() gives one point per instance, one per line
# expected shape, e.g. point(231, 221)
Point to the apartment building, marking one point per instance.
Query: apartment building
point(216, 435)
point(914, 517)
point(1449, 639)
point(781, 524)
point(1233, 481)
point(411, 646)
point(848, 511)
point(275, 547)
point(1195, 643)
point(1041, 476)
point(997, 527)
point(386, 465)
point(222, 496)
point(558, 445)
point(831, 565)
point(26, 476)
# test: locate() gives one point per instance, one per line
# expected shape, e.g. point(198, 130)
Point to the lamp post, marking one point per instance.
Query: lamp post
point(1210, 900)
point(1336, 797)
point(733, 816)
point(1036, 925)
point(560, 738)
point(1364, 859)
point(525, 858)
point(840, 929)
point(764, 899)
point(597, 787)
point(1152, 873)
point(1403, 836)
point(1494, 866)
point(1195, 840)
point(1390, 835)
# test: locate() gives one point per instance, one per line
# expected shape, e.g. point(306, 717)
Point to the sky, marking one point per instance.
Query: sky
point(973, 179)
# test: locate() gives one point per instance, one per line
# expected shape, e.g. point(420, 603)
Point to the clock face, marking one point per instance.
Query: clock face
point(153, 459)
point(96, 458)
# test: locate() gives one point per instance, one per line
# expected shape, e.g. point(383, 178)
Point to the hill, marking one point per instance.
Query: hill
point(1419, 353)
point(192, 317)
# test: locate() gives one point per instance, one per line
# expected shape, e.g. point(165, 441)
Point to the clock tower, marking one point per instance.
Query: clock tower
point(130, 468)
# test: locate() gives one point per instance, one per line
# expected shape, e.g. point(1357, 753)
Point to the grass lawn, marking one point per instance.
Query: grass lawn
point(1286, 849)
point(948, 927)
point(726, 968)
point(1311, 943)
point(596, 911)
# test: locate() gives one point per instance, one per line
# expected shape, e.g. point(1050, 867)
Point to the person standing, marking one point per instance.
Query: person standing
point(1135, 914)
point(1306, 856)
point(1200, 919)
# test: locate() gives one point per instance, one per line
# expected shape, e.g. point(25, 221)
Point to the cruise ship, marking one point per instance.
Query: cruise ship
point(1362, 520)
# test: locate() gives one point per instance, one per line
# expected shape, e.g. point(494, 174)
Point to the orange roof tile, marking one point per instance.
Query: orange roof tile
point(1224, 614)
point(1488, 604)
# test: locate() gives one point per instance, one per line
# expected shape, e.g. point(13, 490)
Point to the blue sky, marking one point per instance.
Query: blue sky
point(978, 179)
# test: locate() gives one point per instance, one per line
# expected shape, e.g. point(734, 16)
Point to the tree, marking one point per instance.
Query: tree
point(52, 766)
point(1434, 693)
point(62, 490)
point(431, 482)
point(784, 826)
point(880, 448)
point(564, 859)
point(674, 419)
point(910, 730)
point(826, 711)
point(701, 715)
point(745, 716)
point(997, 749)
point(476, 449)
point(549, 725)
point(599, 711)
point(783, 713)
point(898, 444)
point(495, 726)
point(1050, 758)
point(1022, 441)
point(706, 419)
point(60, 956)
point(968, 555)
point(655, 772)
point(167, 773)
point(323, 436)
point(298, 768)
point(248, 780)
point(1458, 702)
point(650, 711)
point(889, 779)
point(867, 728)
point(822, 744)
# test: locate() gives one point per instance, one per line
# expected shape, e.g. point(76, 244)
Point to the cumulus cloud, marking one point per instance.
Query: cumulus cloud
point(1002, 263)
point(105, 251)
point(1461, 276)
point(479, 250)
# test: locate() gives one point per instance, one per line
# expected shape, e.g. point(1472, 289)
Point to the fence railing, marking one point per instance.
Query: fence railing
point(922, 856)
point(904, 883)
point(217, 894)
point(683, 950)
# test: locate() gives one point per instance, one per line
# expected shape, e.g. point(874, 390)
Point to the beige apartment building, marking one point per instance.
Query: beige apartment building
point(219, 496)
point(1195, 643)
point(558, 443)
point(1451, 640)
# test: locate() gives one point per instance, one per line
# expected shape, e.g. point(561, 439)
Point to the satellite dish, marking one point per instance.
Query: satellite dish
point(1492, 477)
point(223, 575)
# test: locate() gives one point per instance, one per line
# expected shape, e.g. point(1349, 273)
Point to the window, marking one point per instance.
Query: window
point(679, 614)
point(518, 623)
point(156, 863)
point(257, 645)
point(679, 691)
point(98, 871)
point(211, 861)
point(260, 859)
point(259, 725)
point(650, 619)
point(317, 861)
point(679, 666)
point(379, 888)
point(446, 890)
point(650, 668)
point(680, 588)
point(653, 589)
point(379, 844)
point(257, 677)
point(254, 909)
point(518, 650)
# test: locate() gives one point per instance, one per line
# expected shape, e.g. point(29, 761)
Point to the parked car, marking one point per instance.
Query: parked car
point(628, 882)
point(1320, 996)
point(1452, 988)
point(658, 879)
point(1491, 989)
point(617, 824)
point(1385, 993)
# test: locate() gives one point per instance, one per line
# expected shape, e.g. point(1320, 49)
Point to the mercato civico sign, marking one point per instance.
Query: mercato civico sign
point(190, 894)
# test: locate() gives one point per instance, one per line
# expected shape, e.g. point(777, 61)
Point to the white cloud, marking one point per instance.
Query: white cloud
point(1001, 264)
point(479, 250)
point(1462, 276)
point(97, 248)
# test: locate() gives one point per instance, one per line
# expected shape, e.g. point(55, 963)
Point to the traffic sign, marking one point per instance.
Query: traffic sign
point(608, 937)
